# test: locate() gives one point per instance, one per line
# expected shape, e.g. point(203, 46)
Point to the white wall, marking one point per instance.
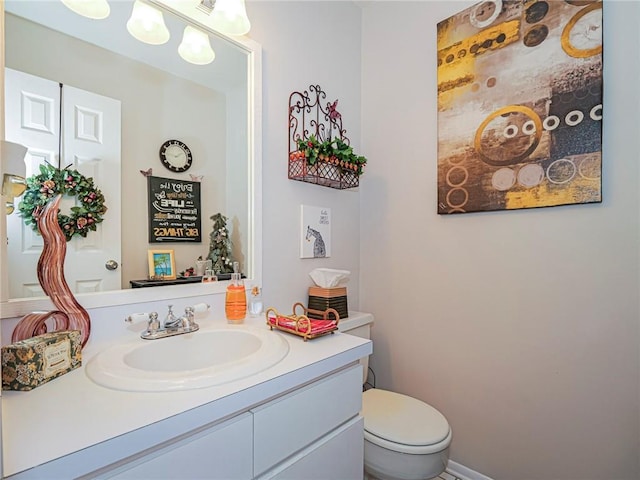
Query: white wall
point(236, 174)
point(305, 43)
point(520, 326)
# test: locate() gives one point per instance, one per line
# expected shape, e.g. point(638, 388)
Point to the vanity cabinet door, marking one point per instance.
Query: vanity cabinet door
point(223, 452)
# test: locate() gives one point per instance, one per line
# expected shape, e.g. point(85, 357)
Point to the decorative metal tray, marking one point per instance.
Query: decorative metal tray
point(301, 325)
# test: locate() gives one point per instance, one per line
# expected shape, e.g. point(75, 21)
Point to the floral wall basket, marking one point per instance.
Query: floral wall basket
point(319, 151)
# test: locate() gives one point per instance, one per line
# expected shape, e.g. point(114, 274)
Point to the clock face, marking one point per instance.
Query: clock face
point(176, 156)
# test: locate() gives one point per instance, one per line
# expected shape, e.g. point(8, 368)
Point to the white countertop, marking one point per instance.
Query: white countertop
point(72, 413)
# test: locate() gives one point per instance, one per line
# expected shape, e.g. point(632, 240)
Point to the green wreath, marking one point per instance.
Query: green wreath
point(53, 181)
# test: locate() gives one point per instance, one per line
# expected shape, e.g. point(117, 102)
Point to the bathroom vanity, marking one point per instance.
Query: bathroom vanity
point(298, 418)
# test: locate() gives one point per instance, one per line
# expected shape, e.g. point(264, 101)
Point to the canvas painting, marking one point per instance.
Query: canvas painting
point(520, 105)
point(315, 238)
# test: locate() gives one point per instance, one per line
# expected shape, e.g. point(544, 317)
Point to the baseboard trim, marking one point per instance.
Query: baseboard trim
point(464, 473)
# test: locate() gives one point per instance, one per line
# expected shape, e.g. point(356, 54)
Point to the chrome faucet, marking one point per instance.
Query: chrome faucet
point(171, 321)
point(172, 325)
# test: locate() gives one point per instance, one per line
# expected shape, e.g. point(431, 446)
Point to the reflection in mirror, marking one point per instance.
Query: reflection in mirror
point(128, 98)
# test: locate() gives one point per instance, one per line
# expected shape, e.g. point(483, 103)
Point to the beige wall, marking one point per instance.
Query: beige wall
point(520, 326)
point(305, 43)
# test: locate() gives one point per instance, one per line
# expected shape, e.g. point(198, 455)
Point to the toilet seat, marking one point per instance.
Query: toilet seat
point(403, 424)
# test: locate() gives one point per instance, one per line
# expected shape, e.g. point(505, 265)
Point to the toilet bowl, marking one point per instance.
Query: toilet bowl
point(404, 438)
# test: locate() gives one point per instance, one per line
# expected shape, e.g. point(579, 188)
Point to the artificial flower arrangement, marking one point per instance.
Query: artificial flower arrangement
point(333, 151)
point(52, 181)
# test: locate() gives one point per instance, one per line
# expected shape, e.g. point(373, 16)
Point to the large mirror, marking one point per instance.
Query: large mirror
point(156, 96)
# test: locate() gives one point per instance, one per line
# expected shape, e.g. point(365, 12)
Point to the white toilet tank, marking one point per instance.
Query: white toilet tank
point(358, 324)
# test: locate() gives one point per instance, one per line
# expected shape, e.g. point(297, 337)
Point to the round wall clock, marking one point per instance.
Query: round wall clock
point(176, 156)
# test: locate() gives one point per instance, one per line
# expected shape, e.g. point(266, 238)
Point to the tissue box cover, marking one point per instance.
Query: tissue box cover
point(324, 298)
point(29, 363)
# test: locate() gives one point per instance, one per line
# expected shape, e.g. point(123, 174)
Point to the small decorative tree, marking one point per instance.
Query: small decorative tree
point(220, 245)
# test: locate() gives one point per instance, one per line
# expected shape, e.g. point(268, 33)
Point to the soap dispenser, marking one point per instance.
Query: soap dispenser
point(255, 302)
point(236, 299)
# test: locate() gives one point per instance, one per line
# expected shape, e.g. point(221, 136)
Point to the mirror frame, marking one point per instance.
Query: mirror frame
point(11, 308)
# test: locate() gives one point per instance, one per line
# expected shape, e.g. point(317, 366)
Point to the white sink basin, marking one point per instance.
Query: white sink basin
point(195, 360)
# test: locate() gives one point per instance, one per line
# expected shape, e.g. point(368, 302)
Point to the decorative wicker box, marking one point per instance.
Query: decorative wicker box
point(325, 298)
point(29, 363)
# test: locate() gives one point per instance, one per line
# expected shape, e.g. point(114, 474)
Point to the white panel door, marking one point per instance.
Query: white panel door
point(32, 106)
point(91, 144)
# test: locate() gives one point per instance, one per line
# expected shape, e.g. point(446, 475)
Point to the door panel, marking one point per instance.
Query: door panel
point(90, 144)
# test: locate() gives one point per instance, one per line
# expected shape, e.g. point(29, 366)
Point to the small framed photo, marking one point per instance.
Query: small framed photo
point(162, 265)
point(315, 237)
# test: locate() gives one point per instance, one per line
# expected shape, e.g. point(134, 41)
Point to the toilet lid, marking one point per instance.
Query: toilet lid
point(399, 419)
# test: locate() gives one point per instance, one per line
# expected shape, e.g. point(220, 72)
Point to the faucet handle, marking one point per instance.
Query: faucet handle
point(200, 307)
point(154, 324)
point(136, 317)
point(188, 321)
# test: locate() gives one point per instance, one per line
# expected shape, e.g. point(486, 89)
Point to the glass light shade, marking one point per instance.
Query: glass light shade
point(195, 47)
point(13, 186)
point(147, 24)
point(14, 171)
point(230, 17)
point(96, 9)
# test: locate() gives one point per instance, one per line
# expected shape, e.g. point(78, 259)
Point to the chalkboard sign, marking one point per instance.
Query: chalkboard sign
point(174, 210)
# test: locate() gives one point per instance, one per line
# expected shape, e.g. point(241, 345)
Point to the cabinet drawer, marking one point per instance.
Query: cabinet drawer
point(340, 454)
point(292, 422)
point(220, 452)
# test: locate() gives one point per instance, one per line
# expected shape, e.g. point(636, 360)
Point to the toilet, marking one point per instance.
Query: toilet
point(404, 438)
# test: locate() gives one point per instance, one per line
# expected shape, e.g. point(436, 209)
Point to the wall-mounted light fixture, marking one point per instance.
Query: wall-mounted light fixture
point(230, 17)
point(195, 47)
point(14, 171)
point(95, 9)
point(147, 24)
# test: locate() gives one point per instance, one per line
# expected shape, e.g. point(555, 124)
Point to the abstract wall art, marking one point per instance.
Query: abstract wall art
point(520, 105)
